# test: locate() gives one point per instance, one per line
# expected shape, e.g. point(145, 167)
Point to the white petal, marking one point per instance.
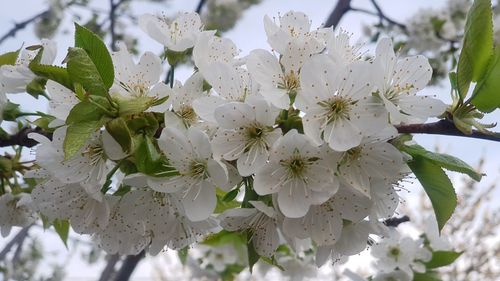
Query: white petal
point(218, 174)
point(234, 115)
point(342, 135)
point(199, 202)
point(205, 107)
point(293, 201)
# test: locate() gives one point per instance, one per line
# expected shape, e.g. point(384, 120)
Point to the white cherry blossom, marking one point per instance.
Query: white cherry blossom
point(137, 87)
point(337, 102)
point(260, 221)
point(246, 133)
point(191, 154)
point(398, 82)
point(14, 212)
point(178, 35)
point(298, 173)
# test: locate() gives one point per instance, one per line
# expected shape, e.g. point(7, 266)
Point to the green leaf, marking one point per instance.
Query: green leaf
point(486, 95)
point(82, 69)
point(9, 58)
point(231, 195)
point(443, 160)
point(224, 205)
point(438, 187)
point(120, 132)
point(477, 48)
point(84, 111)
point(77, 135)
point(428, 276)
point(37, 87)
point(148, 159)
point(183, 254)
point(98, 53)
point(442, 258)
point(225, 237)
point(43, 122)
point(62, 229)
point(253, 257)
point(52, 72)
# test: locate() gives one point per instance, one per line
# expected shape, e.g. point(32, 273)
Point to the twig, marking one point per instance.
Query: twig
point(109, 270)
point(444, 127)
point(383, 16)
point(21, 25)
point(21, 137)
point(128, 266)
point(341, 8)
point(20, 236)
point(113, 7)
point(395, 221)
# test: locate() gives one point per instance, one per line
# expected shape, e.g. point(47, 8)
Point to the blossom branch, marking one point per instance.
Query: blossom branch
point(19, 238)
point(444, 127)
point(21, 25)
point(382, 16)
point(342, 7)
point(21, 138)
point(112, 21)
point(128, 266)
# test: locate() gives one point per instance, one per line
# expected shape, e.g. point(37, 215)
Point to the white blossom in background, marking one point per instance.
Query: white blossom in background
point(398, 82)
point(337, 102)
point(15, 78)
point(177, 35)
point(15, 212)
point(400, 252)
point(210, 49)
point(298, 173)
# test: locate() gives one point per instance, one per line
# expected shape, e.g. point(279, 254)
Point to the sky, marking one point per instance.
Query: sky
point(249, 34)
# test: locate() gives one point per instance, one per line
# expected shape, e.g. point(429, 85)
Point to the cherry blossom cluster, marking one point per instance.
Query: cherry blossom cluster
point(302, 129)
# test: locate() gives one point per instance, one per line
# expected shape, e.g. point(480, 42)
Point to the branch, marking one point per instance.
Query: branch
point(113, 7)
point(128, 266)
point(444, 127)
point(395, 221)
point(108, 271)
point(21, 25)
point(342, 7)
point(200, 6)
point(16, 240)
point(383, 16)
point(21, 137)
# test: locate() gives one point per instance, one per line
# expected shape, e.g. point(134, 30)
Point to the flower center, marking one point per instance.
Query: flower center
point(394, 252)
point(255, 135)
point(94, 152)
point(336, 108)
point(198, 169)
point(187, 114)
point(290, 82)
point(297, 166)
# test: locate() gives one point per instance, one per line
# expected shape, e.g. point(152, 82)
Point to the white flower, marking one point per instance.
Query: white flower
point(277, 82)
point(88, 166)
point(178, 35)
point(373, 159)
point(3, 103)
point(353, 240)
point(14, 213)
point(182, 98)
point(163, 218)
point(298, 173)
point(323, 223)
point(384, 197)
point(121, 236)
point(199, 174)
point(398, 82)
point(229, 84)
point(403, 253)
point(337, 102)
point(211, 49)
point(138, 86)
point(260, 221)
point(340, 50)
point(392, 276)
point(15, 78)
point(246, 133)
point(57, 200)
point(62, 100)
point(293, 31)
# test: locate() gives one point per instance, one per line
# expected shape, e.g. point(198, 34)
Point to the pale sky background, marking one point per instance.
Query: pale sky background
point(248, 34)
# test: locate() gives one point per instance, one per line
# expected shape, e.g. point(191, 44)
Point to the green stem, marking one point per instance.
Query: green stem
point(21, 114)
point(107, 183)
